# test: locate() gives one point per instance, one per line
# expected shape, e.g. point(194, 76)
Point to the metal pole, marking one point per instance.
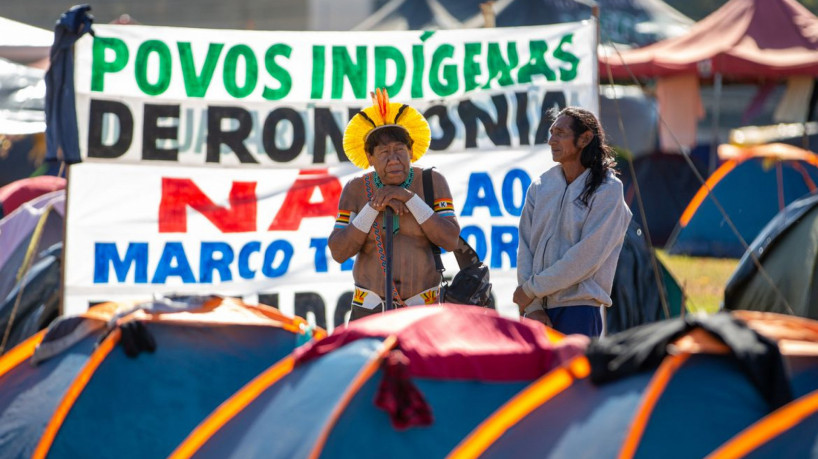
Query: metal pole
point(489, 18)
point(716, 109)
point(389, 226)
point(595, 67)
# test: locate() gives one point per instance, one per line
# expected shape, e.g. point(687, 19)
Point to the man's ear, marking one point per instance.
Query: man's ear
point(585, 138)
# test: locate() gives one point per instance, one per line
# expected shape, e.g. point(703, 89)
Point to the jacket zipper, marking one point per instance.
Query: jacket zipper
point(545, 248)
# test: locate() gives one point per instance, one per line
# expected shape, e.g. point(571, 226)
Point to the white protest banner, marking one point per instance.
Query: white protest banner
point(282, 99)
point(139, 230)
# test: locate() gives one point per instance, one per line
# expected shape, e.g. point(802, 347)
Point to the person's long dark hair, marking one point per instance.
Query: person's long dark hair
point(597, 156)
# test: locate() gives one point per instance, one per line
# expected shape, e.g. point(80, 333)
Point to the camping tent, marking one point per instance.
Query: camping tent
point(132, 380)
point(753, 39)
point(789, 432)
point(34, 301)
point(23, 56)
point(22, 99)
point(744, 41)
point(18, 192)
point(339, 397)
point(751, 186)
point(24, 51)
point(457, 381)
point(666, 185)
point(618, 402)
point(25, 233)
point(787, 249)
point(637, 135)
point(434, 373)
point(24, 43)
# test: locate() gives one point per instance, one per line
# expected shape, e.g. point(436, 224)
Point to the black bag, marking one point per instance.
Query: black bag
point(472, 284)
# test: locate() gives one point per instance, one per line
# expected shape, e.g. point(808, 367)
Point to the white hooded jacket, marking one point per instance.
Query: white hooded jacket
point(568, 251)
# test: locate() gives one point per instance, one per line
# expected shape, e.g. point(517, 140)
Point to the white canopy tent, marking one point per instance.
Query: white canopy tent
point(25, 44)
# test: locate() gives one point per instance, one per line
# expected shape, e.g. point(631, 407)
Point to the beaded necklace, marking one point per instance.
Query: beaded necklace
point(405, 184)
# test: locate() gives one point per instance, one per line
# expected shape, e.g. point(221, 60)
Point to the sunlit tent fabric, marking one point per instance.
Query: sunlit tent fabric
point(24, 43)
point(751, 187)
point(742, 39)
point(94, 386)
point(24, 190)
point(28, 231)
point(434, 373)
point(700, 380)
point(787, 249)
point(22, 99)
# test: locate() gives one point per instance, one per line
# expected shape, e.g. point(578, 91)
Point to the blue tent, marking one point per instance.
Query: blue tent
point(646, 401)
point(751, 188)
point(125, 381)
point(405, 384)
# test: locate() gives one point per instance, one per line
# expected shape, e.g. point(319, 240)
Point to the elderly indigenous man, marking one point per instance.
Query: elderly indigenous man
point(390, 137)
point(571, 230)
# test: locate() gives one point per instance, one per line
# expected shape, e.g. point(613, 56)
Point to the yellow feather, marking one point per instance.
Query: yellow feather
point(359, 127)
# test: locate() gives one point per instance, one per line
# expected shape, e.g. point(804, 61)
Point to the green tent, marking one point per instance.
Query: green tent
point(787, 250)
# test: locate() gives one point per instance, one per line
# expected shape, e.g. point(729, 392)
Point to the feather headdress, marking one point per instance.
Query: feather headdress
point(384, 113)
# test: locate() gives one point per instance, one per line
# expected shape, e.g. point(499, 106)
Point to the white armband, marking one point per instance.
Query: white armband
point(419, 209)
point(364, 220)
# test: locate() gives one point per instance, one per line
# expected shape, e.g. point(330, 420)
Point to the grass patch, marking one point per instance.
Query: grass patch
point(702, 279)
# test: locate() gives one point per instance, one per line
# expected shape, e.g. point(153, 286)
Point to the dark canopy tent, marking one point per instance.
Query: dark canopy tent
point(666, 184)
point(634, 23)
point(744, 39)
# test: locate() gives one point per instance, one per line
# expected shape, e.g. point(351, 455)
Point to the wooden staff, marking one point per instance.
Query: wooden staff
point(389, 227)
